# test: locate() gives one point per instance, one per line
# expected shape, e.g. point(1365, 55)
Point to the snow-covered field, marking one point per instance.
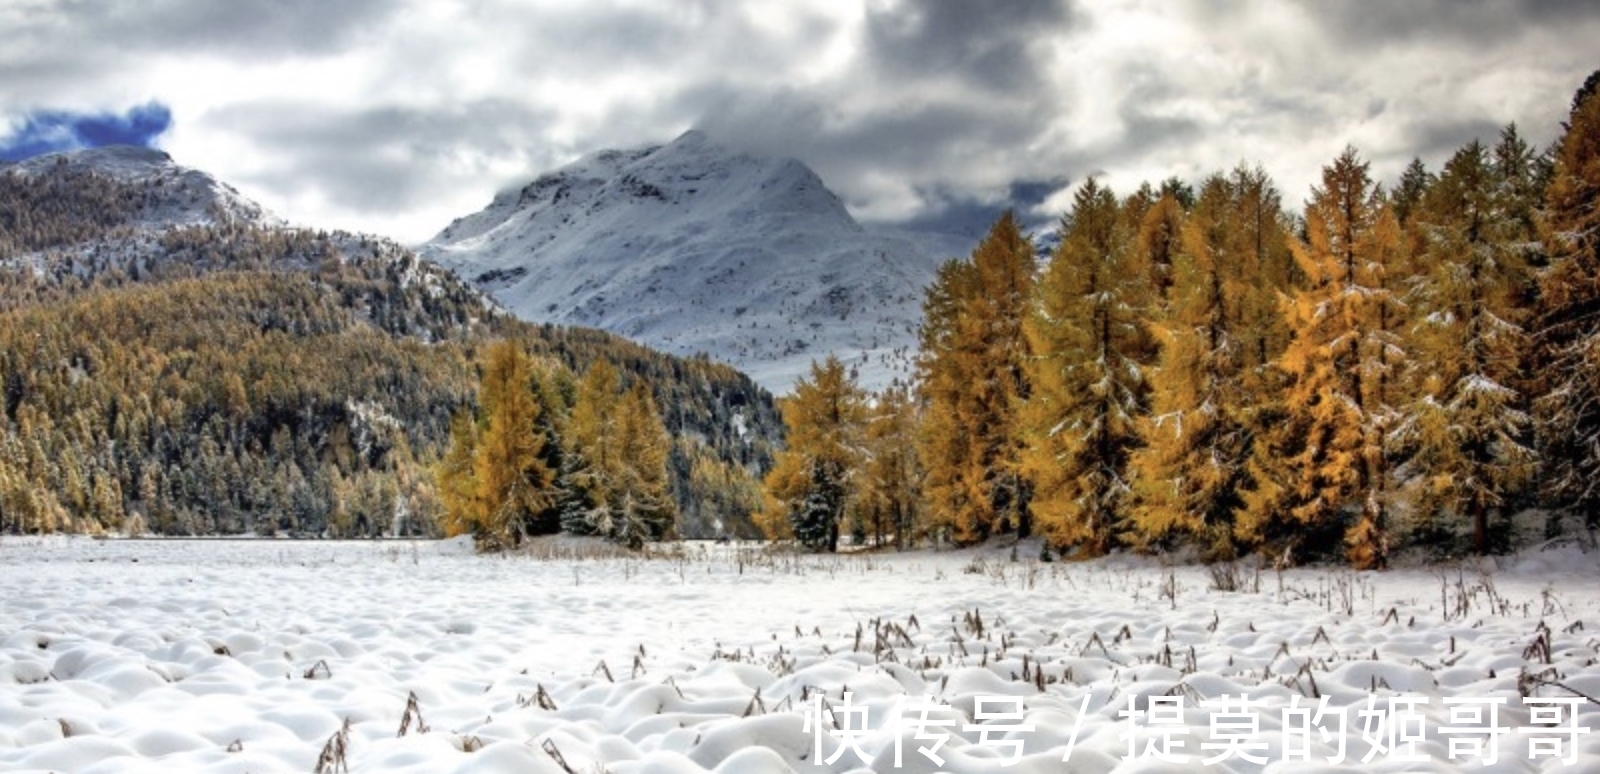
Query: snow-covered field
point(266, 656)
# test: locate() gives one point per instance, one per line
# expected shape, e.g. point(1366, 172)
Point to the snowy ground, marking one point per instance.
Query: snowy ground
point(250, 656)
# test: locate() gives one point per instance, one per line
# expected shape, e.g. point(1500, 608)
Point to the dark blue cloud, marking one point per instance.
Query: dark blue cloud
point(52, 131)
point(956, 213)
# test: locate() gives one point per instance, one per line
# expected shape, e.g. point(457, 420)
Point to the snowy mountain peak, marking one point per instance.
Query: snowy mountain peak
point(120, 160)
point(180, 196)
point(693, 247)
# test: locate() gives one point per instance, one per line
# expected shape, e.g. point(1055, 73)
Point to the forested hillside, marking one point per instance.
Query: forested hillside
point(217, 377)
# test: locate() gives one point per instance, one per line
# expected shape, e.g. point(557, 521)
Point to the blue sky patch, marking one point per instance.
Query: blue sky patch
point(52, 131)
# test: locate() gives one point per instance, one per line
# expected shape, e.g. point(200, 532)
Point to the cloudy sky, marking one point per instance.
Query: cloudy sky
point(394, 116)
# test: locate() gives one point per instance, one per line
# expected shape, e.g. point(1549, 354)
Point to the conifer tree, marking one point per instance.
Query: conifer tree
point(514, 484)
point(1091, 351)
point(1414, 184)
point(816, 516)
point(943, 371)
point(1196, 438)
point(592, 460)
point(458, 488)
point(645, 510)
point(892, 481)
point(10, 488)
point(551, 385)
point(816, 478)
point(1327, 454)
point(1520, 181)
point(492, 480)
point(1160, 238)
point(1139, 203)
point(615, 464)
point(789, 477)
point(1259, 237)
point(1179, 191)
point(106, 503)
point(1568, 337)
point(972, 382)
point(1464, 434)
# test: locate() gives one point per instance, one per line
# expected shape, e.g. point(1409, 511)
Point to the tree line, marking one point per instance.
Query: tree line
point(1198, 366)
point(540, 454)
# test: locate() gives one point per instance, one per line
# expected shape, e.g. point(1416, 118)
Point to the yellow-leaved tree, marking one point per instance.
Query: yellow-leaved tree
point(1091, 350)
point(1568, 335)
point(1190, 469)
point(615, 462)
point(816, 479)
point(1323, 467)
point(972, 383)
point(458, 489)
point(892, 485)
point(645, 508)
point(591, 459)
point(493, 480)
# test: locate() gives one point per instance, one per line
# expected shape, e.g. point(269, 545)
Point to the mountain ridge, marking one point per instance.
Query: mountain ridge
point(193, 197)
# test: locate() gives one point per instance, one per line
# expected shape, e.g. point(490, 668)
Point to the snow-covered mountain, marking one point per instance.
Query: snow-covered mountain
point(176, 195)
point(691, 247)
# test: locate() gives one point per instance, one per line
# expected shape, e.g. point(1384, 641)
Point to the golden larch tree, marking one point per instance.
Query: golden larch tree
point(1568, 329)
point(1190, 468)
point(645, 510)
point(892, 484)
point(816, 479)
point(514, 484)
point(1326, 457)
point(1464, 437)
point(1091, 351)
point(972, 382)
point(492, 481)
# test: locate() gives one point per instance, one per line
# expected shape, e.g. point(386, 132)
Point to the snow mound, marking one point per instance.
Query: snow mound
point(225, 656)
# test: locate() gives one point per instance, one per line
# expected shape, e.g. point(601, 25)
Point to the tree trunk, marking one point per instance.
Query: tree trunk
point(1480, 527)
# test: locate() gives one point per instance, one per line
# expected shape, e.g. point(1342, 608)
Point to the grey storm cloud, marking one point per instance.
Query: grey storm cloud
point(1438, 139)
point(389, 113)
point(242, 28)
point(931, 147)
point(950, 85)
point(961, 212)
point(53, 49)
point(1474, 21)
point(380, 158)
point(994, 47)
